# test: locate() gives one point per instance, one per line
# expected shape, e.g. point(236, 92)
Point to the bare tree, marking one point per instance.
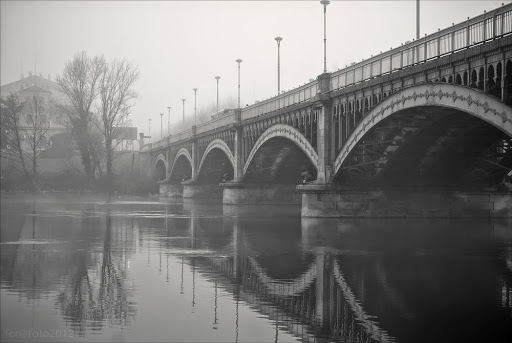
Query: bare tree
point(37, 126)
point(116, 98)
point(204, 114)
point(79, 82)
point(11, 135)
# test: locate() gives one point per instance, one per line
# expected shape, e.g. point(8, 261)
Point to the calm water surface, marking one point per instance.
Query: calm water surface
point(140, 269)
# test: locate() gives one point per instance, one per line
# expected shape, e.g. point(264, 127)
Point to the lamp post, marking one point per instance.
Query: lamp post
point(149, 130)
point(217, 78)
point(278, 40)
point(417, 19)
point(195, 106)
point(183, 110)
point(238, 61)
point(325, 3)
point(161, 125)
point(169, 120)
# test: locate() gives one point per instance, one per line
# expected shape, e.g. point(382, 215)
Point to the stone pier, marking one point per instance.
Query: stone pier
point(192, 189)
point(242, 193)
point(326, 201)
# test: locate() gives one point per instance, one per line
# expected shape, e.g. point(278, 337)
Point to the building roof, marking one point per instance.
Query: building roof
point(27, 84)
point(34, 90)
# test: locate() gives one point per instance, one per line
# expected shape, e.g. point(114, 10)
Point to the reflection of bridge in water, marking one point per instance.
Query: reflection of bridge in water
point(316, 305)
point(322, 292)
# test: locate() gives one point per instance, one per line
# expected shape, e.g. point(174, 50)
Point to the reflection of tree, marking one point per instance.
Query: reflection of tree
point(113, 295)
point(78, 301)
point(10, 230)
point(97, 291)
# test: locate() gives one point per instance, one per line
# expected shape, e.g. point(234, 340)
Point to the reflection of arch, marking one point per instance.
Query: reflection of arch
point(369, 325)
point(181, 152)
point(286, 131)
point(284, 289)
point(217, 144)
point(460, 98)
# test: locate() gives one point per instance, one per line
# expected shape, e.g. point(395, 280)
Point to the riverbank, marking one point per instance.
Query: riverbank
point(77, 183)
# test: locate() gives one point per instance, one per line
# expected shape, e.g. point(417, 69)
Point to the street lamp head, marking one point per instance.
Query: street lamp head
point(183, 100)
point(238, 61)
point(217, 77)
point(325, 2)
point(278, 39)
point(168, 107)
point(195, 89)
point(161, 114)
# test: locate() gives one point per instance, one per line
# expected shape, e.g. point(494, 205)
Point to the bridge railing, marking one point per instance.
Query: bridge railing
point(485, 27)
point(175, 137)
point(215, 123)
point(181, 135)
point(292, 97)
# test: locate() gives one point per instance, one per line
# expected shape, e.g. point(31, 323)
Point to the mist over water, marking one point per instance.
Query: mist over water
point(139, 269)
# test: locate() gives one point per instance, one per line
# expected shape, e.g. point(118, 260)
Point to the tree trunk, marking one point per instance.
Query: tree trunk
point(22, 159)
point(34, 154)
point(108, 148)
point(34, 162)
point(86, 159)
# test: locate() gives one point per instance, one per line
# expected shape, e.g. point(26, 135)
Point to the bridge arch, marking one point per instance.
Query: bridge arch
point(366, 321)
point(182, 153)
point(451, 96)
point(285, 289)
point(161, 167)
point(217, 144)
point(288, 132)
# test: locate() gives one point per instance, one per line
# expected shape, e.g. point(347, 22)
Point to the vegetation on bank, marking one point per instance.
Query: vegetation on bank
point(76, 182)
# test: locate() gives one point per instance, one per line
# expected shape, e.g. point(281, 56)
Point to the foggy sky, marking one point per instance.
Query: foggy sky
point(179, 45)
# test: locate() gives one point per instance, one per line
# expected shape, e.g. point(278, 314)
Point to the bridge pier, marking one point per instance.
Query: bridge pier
point(192, 189)
point(242, 193)
point(328, 201)
point(323, 106)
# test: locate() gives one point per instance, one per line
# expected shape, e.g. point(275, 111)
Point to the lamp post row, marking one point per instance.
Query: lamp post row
point(278, 40)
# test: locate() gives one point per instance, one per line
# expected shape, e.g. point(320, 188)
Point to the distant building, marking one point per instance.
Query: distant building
point(50, 97)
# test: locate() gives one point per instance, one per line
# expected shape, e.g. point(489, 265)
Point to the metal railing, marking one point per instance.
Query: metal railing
point(215, 123)
point(292, 97)
point(475, 31)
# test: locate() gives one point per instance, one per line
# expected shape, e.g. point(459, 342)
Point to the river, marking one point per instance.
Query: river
point(121, 269)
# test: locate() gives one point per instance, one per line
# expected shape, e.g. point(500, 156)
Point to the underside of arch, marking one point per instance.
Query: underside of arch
point(279, 161)
point(280, 155)
point(429, 136)
point(160, 167)
point(181, 169)
point(217, 163)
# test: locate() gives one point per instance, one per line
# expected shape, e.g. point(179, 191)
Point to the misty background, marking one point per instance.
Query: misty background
point(181, 45)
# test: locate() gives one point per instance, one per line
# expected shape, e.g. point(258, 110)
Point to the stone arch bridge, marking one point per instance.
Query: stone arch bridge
point(421, 130)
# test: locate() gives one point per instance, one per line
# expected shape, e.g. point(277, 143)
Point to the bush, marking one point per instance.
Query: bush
point(71, 180)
